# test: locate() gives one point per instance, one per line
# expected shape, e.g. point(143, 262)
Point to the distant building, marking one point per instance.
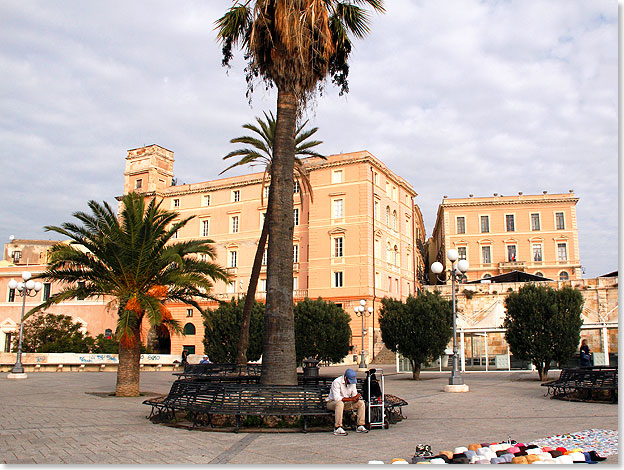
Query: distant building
point(536, 234)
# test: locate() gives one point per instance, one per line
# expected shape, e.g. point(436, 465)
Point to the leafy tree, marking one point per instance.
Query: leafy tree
point(223, 330)
point(543, 325)
point(132, 258)
point(293, 46)
point(51, 333)
point(104, 345)
point(419, 329)
point(260, 152)
point(321, 330)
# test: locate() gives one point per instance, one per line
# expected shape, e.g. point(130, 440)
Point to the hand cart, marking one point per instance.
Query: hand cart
point(376, 402)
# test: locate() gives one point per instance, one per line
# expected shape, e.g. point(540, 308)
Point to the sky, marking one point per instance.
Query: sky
point(458, 97)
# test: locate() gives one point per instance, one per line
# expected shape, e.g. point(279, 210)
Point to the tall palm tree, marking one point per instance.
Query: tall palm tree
point(293, 45)
point(131, 258)
point(260, 151)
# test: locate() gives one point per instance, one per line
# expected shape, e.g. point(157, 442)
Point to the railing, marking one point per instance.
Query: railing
point(517, 265)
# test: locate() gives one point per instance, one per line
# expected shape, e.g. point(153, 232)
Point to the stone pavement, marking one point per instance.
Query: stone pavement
point(54, 418)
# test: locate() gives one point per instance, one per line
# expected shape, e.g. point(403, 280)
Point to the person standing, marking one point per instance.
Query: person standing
point(586, 356)
point(343, 395)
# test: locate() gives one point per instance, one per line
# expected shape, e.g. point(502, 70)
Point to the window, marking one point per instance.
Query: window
point(264, 257)
point(539, 274)
point(338, 279)
point(231, 287)
point(296, 188)
point(337, 176)
point(387, 189)
point(296, 216)
point(388, 253)
point(562, 251)
point(176, 203)
point(396, 286)
point(376, 177)
point(189, 329)
point(266, 192)
point(388, 216)
point(17, 255)
point(338, 247)
point(203, 257)
point(8, 340)
point(395, 194)
point(232, 259)
point(262, 285)
point(510, 223)
point(11, 295)
point(560, 221)
point(407, 226)
point(376, 210)
point(537, 252)
point(389, 284)
point(535, 222)
point(81, 285)
point(511, 252)
point(205, 228)
point(394, 220)
point(235, 224)
point(461, 250)
point(46, 291)
point(295, 283)
point(376, 279)
point(189, 312)
point(461, 224)
point(485, 224)
point(377, 248)
point(563, 276)
point(397, 258)
point(338, 208)
point(295, 253)
point(206, 200)
point(236, 196)
point(138, 184)
point(487, 276)
point(189, 348)
point(486, 254)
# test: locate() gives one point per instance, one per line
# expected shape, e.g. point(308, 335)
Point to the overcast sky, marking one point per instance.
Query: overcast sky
point(458, 97)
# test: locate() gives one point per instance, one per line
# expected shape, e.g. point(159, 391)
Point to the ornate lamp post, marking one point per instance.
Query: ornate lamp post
point(362, 311)
point(27, 288)
point(456, 382)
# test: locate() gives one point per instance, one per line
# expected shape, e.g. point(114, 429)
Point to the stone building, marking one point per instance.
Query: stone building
point(537, 234)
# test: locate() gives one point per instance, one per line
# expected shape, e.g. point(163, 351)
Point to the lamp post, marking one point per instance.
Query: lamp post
point(27, 288)
point(362, 311)
point(456, 382)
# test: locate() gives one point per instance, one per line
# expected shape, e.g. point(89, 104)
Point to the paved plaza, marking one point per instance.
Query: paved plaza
point(55, 418)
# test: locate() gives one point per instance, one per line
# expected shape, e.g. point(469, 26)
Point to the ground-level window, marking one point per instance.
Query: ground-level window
point(189, 329)
point(564, 276)
point(190, 348)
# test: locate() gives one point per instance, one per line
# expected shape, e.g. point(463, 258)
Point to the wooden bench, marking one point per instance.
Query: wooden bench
point(581, 384)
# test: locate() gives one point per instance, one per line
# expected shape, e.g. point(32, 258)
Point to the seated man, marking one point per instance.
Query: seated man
point(205, 360)
point(342, 396)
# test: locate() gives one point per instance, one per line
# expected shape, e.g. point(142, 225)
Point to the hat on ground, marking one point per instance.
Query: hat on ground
point(563, 450)
point(507, 457)
point(513, 450)
point(474, 446)
point(497, 460)
point(594, 456)
point(564, 460)
point(350, 375)
point(470, 453)
point(444, 457)
point(459, 450)
point(437, 461)
point(461, 460)
point(532, 458)
point(448, 453)
point(577, 456)
point(555, 453)
point(398, 460)
point(519, 460)
point(531, 446)
point(547, 449)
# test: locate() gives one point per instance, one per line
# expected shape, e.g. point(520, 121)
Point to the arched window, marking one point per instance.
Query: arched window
point(389, 253)
point(189, 329)
point(539, 274)
point(394, 220)
point(487, 276)
point(564, 276)
point(397, 261)
point(388, 216)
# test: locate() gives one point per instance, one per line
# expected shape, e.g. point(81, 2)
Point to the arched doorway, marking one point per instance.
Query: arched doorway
point(159, 340)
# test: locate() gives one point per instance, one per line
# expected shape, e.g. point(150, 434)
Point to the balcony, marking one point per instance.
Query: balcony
point(231, 271)
point(512, 266)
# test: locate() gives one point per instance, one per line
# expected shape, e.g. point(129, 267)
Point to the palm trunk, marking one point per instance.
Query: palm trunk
point(279, 365)
point(243, 338)
point(128, 372)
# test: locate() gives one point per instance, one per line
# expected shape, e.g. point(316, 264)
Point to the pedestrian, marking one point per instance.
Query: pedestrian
point(205, 360)
point(184, 358)
point(586, 355)
point(343, 395)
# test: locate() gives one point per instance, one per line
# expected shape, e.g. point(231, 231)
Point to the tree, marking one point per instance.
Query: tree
point(51, 333)
point(293, 46)
point(133, 259)
point(261, 152)
point(321, 331)
point(223, 330)
point(543, 325)
point(419, 329)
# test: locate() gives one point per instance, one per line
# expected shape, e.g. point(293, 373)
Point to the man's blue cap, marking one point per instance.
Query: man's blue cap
point(350, 375)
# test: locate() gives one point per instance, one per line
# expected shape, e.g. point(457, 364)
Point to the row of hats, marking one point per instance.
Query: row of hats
point(495, 453)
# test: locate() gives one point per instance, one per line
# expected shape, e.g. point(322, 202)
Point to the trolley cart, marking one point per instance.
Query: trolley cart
point(375, 403)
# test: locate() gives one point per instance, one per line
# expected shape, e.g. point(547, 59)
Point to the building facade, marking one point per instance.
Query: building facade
point(536, 234)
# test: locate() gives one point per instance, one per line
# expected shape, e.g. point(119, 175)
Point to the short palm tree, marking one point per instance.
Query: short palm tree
point(292, 45)
point(132, 259)
point(260, 152)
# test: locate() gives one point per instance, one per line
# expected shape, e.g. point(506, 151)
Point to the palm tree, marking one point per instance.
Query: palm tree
point(131, 258)
point(293, 45)
point(261, 152)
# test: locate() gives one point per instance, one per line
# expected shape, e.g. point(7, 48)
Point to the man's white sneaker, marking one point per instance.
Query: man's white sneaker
point(361, 429)
point(340, 432)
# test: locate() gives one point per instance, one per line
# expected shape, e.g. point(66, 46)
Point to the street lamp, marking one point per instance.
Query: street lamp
point(456, 382)
point(362, 311)
point(27, 288)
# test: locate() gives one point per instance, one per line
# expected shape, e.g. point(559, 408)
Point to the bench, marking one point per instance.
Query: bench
point(581, 384)
point(214, 369)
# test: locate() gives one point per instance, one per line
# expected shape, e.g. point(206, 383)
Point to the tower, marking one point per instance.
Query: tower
point(148, 169)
